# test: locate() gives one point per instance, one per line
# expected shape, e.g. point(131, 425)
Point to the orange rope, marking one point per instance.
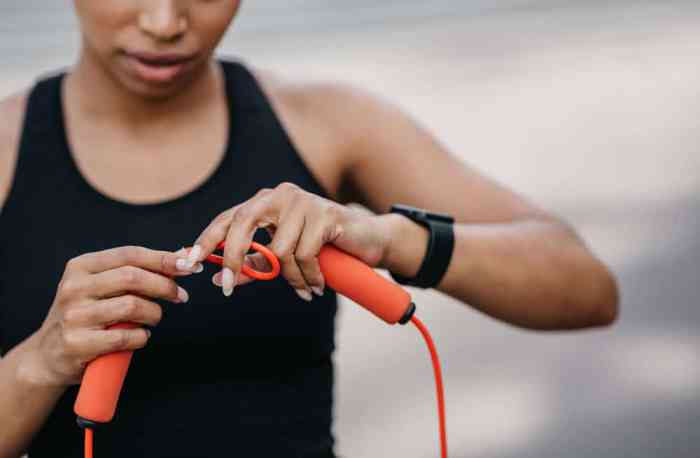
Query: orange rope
point(88, 443)
point(438, 383)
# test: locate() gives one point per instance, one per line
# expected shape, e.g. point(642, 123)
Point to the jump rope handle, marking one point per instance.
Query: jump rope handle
point(103, 379)
point(355, 280)
point(101, 385)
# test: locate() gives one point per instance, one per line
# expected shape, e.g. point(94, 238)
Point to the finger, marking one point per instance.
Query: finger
point(317, 232)
point(164, 262)
point(255, 261)
point(216, 232)
point(90, 343)
point(111, 340)
point(128, 308)
point(137, 281)
point(182, 264)
point(284, 244)
point(244, 222)
point(208, 240)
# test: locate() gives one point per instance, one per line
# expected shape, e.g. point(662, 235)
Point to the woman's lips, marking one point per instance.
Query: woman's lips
point(158, 68)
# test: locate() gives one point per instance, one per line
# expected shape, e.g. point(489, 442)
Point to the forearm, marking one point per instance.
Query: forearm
point(536, 274)
point(26, 398)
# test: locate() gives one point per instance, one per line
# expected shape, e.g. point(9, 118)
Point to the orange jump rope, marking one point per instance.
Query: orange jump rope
point(103, 379)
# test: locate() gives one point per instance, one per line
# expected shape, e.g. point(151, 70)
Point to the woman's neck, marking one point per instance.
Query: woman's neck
point(99, 94)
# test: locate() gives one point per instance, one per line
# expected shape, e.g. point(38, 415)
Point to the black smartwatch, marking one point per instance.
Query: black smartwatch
point(438, 253)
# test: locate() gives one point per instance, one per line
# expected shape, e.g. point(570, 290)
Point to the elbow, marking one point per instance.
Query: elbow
point(607, 308)
point(589, 300)
point(601, 307)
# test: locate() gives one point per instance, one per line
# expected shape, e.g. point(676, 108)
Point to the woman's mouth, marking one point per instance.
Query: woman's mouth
point(159, 68)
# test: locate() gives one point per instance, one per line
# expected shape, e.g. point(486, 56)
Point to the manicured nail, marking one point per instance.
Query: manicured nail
point(227, 281)
point(304, 294)
point(181, 264)
point(194, 255)
point(148, 333)
point(317, 290)
point(181, 252)
point(182, 295)
point(216, 279)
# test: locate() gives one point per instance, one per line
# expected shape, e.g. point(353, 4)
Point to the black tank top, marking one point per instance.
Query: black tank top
point(248, 375)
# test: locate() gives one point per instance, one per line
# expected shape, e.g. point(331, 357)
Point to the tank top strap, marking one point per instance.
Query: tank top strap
point(252, 115)
point(38, 166)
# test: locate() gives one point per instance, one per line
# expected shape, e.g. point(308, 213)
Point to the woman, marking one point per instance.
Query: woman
point(107, 169)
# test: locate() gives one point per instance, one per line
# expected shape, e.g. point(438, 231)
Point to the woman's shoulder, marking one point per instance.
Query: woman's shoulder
point(327, 119)
point(12, 110)
point(324, 100)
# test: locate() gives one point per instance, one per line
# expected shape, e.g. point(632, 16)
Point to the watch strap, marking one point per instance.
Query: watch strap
point(437, 256)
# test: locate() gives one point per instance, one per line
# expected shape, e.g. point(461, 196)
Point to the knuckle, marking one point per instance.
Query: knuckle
point(222, 217)
point(331, 211)
point(71, 343)
point(130, 306)
point(281, 251)
point(118, 339)
point(69, 287)
point(71, 316)
point(263, 192)
point(287, 186)
point(304, 257)
point(287, 257)
point(130, 275)
point(129, 254)
point(241, 213)
point(73, 264)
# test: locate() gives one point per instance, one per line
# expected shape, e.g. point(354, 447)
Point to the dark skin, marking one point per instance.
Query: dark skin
point(512, 260)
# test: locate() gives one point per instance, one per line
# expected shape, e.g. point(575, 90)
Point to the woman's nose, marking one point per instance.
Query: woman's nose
point(163, 20)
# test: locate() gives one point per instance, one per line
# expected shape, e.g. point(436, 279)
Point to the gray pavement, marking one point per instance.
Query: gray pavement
point(590, 109)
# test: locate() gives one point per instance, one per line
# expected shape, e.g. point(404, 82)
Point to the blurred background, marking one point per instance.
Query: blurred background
point(590, 108)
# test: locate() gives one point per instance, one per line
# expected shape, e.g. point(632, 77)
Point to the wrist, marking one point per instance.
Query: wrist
point(32, 368)
point(406, 247)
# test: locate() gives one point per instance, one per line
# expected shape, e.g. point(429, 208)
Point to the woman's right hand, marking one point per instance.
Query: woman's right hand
point(97, 290)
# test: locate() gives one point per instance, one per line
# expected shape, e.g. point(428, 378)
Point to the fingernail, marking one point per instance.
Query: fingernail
point(148, 333)
point(317, 290)
point(198, 268)
point(216, 279)
point(304, 294)
point(181, 264)
point(182, 295)
point(181, 252)
point(227, 281)
point(194, 255)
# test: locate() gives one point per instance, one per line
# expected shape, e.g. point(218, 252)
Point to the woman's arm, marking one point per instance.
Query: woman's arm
point(26, 398)
point(512, 260)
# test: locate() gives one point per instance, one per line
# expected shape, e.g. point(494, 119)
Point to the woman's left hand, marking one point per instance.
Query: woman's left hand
point(300, 223)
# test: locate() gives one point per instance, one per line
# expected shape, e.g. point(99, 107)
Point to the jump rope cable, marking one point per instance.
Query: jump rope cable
point(88, 442)
point(438, 388)
point(438, 383)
